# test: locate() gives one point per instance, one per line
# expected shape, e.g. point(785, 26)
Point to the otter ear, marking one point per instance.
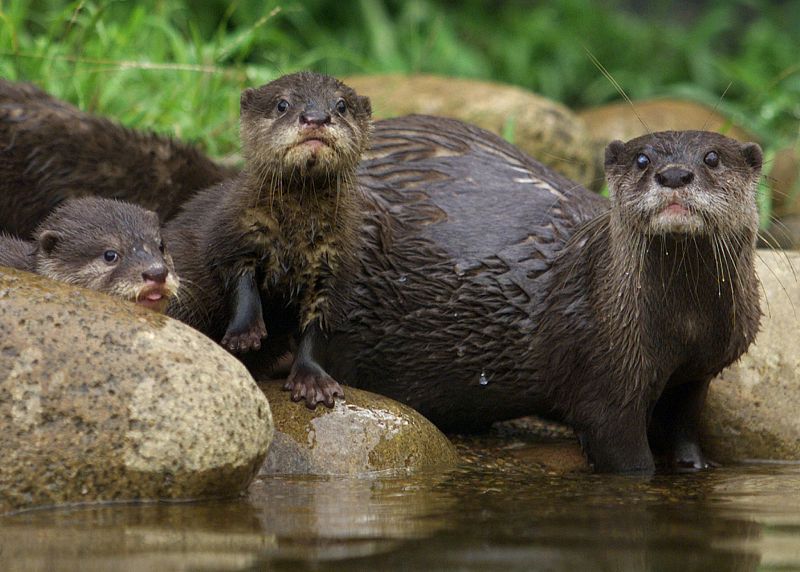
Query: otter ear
point(246, 100)
point(614, 152)
point(48, 240)
point(365, 104)
point(753, 155)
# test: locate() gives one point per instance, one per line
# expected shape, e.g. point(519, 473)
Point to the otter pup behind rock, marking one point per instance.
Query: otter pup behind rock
point(51, 151)
point(102, 244)
point(269, 253)
point(493, 288)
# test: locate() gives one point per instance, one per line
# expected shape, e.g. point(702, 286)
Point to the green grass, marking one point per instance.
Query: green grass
point(178, 67)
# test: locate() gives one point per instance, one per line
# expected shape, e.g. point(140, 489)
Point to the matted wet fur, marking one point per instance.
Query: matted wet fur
point(269, 254)
point(492, 288)
point(103, 244)
point(51, 151)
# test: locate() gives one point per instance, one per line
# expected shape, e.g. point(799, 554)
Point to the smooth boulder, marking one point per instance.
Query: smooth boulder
point(364, 433)
point(752, 407)
point(544, 129)
point(103, 400)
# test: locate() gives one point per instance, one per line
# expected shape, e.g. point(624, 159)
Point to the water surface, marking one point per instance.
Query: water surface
point(499, 511)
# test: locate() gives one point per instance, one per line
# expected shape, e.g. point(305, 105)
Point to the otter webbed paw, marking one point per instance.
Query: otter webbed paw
point(244, 340)
point(687, 457)
point(311, 383)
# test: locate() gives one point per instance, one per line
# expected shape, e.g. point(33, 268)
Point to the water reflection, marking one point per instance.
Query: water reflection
point(503, 515)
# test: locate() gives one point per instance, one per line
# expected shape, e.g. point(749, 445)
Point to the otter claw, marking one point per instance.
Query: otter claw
point(248, 340)
point(313, 389)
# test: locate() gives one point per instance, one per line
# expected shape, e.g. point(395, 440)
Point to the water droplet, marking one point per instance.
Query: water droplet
point(483, 380)
point(402, 278)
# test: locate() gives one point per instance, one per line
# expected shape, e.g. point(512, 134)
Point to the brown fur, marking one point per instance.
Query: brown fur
point(51, 151)
point(290, 220)
point(72, 243)
point(493, 288)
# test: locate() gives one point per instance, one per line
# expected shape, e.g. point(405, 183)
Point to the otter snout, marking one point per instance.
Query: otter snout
point(314, 118)
point(674, 177)
point(156, 273)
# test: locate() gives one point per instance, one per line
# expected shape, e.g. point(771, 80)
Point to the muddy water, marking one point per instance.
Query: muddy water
point(499, 511)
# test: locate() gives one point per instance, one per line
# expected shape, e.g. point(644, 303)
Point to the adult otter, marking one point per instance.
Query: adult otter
point(51, 151)
point(103, 244)
point(279, 242)
point(492, 288)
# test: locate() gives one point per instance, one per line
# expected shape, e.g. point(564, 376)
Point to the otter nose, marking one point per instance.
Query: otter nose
point(315, 118)
point(156, 273)
point(674, 177)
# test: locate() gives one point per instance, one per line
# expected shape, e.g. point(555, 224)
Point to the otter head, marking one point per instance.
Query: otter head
point(304, 127)
point(684, 183)
point(109, 246)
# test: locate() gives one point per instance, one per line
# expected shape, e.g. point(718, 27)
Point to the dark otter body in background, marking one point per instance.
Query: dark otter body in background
point(102, 244)
point(492, 288)
point(51, 151)
point(270, 252)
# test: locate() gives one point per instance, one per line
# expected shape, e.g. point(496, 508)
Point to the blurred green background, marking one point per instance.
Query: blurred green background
point(178, 66)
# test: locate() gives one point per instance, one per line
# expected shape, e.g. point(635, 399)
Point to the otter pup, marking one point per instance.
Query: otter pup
point(102, 244)
point(493, 288)
point(269, 253)
point(51, 151)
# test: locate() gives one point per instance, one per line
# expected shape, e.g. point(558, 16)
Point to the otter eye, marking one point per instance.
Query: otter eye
point(711, 159)
point(110, 256)
point(341, 106)
point(642, 161)
point(282, 106)
point(161, 247)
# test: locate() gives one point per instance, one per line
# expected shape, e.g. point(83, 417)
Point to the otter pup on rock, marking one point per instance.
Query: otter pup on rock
point(51, 151)
point(493, 288)
point(269, 253)
point(102, 244)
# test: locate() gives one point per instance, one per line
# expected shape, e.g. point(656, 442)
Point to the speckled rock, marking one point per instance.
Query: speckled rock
point(752, 408)
point(542, 128)
point(365, 433)
point(103, 400)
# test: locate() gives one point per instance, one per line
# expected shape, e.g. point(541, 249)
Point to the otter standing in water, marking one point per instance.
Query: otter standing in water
point(492, 288)
point(269, 253)
point(51, 151)
point(102, 244)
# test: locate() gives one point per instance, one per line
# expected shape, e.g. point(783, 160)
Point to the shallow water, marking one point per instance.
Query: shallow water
point(498, 511)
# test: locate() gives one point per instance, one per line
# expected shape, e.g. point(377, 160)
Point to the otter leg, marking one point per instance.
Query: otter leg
point(246, 328)
point(675, 425)
point(307, 379)
point(620, 446)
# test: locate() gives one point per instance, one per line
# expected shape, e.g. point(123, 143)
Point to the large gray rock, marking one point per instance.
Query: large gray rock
point(103, 400)
point(541, 127)
point(366, 433)
point(753, 407)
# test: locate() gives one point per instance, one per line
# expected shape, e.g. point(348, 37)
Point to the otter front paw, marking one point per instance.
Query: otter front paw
point(245, 340)
point(313, 385)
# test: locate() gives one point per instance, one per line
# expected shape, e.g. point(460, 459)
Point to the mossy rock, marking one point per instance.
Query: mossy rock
point(364, 433)
point(751, 411)
point(101, 399)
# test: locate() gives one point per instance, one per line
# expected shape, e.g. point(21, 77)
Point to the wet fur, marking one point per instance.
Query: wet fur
point(70, 243)
point(51, 151)
point(484, 266)
point(291, 218)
